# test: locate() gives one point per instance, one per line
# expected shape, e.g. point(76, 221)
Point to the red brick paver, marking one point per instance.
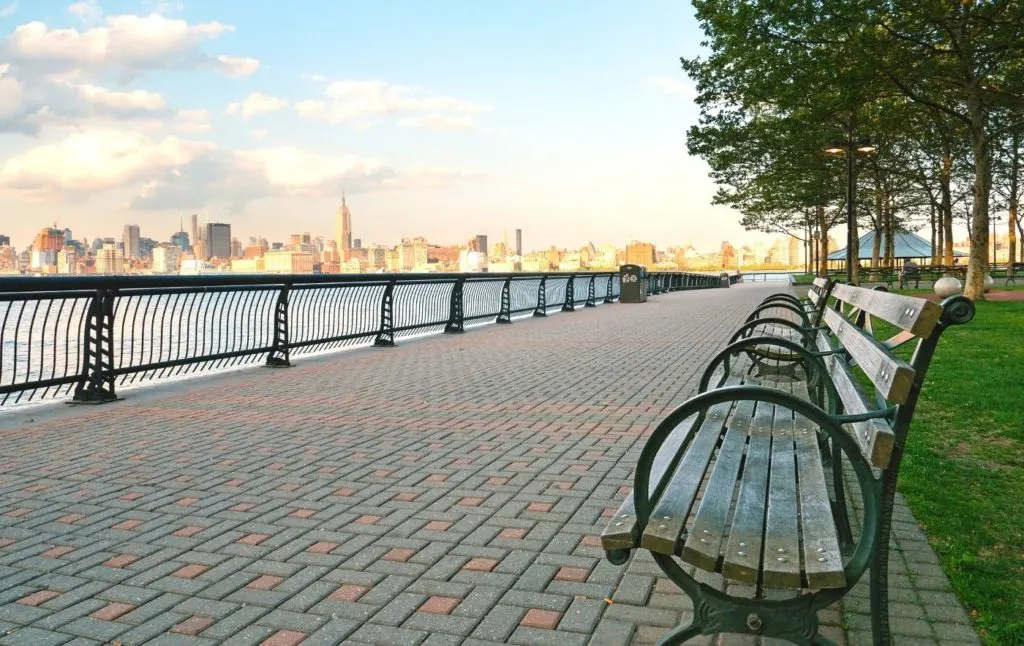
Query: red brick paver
point(452, 488)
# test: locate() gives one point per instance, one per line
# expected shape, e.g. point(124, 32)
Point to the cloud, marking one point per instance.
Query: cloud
point(87, 11)
point(170, 172)
point(125, 43)
point(192, 121)
point(257, 103)
point(236, 67)
point(260, 134)
point(9, 10)
point(95, 161)
point(438, 122)
point(351, 101)
point(677, 87)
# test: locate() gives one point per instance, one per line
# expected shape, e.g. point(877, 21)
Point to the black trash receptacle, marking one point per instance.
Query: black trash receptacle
point(632, 284)
point(725, 279)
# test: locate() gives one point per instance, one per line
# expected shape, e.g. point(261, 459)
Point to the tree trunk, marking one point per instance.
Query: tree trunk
point(890, 238)
point(1014, 185)
point(975, 283)
point(822, 241)
point(946, 207)
point(931, 224)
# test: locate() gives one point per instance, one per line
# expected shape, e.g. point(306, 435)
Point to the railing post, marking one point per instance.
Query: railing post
point(569, 304)
point(96, 383)
point(386, 333)
point(590, 292)
point(278, 357)
point(505, 314)
point(455, 315)
point(542, 302)
point(609, 296)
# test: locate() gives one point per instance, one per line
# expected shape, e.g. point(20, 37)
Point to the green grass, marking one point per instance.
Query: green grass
point(803, 279)
point(963, 471)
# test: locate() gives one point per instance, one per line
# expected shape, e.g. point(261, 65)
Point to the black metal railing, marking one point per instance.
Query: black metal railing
point(90, 335)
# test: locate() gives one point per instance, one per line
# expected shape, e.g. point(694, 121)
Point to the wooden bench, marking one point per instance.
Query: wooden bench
point(745, 481)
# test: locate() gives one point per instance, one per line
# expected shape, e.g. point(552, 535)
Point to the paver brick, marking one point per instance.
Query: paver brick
point(427, 501)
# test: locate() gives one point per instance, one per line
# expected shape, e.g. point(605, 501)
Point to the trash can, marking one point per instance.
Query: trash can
point(632, 284)
point(725, 279)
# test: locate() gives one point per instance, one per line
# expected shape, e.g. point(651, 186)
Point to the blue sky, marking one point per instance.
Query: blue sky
point(442, 119)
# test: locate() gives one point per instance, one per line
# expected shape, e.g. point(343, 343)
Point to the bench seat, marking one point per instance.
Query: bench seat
point(709, 487)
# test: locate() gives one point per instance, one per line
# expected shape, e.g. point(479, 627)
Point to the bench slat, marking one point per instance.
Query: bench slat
point(892, 376)
point(874, 436)
point(823, 563)
point(781, 538)
point(673, 508)
point(915, 315)
point(622, 531)
point(704, 542)
point(742, 558)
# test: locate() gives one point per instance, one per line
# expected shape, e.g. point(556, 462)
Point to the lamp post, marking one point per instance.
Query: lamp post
point(851, 148)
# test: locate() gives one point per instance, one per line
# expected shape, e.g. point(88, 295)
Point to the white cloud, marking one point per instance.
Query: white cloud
point(170, 172)
point(354, 101)
point(257, 103)
point(438, 122)
point(260, 134)
point(9, 10)
point(192, 121)
point(87, 11)
point(677, 87)
point(126, 43)
point(95, 161)
point(236, 67)
point(120, 101)
point(12, 95)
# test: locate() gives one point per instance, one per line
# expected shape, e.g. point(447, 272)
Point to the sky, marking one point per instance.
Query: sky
point(444, 119)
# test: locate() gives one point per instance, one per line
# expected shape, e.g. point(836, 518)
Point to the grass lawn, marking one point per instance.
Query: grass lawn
point(963, 471)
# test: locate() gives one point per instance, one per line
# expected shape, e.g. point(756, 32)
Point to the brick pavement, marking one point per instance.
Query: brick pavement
point(444, 491)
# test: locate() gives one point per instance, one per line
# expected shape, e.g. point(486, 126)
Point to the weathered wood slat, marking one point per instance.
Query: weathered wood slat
point(892, 376)
point(668, 518)
point(704, 541)
point(622, 531)
point(781, 567)
point(742, 556)
point(874, 436)
point(915, 315)
point(823, 563)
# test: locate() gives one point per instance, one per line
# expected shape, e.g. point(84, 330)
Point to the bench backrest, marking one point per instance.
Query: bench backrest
point(896, 382)
point(818, 295)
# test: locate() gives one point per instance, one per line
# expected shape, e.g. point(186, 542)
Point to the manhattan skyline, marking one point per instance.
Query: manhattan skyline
point(567, 121)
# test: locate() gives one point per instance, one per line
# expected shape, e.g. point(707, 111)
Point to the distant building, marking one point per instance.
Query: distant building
point(67, 260)
point(201, 250)
point(376, 257)
point(519, 242)
point(181, 241)
point(357, 243)
point(218, 240)
point(132, 242)
point(481, 244)
point(109, 259)
point(68, 238)
point(195, 229)
point(344, 226)
point(5, 241)
point(49, 240)
point(236, 248)
point(253, 265)
point(165, 259)
point(288, 262)
point(43, 258)
point(640, 253)
point(472, 261)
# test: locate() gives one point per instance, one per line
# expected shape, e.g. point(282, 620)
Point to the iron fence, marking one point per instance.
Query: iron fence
point(87, 336)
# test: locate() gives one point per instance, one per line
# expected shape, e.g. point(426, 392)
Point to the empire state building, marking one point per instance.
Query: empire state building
point(344, 231)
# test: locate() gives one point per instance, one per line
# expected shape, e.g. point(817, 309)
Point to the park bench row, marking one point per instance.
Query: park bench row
point(1007, 273)
point(745, 484)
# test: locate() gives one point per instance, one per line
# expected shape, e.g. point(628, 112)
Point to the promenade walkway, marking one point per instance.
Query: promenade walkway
point(444, 491)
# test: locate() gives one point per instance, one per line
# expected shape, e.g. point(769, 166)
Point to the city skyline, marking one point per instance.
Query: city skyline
point(203, 116)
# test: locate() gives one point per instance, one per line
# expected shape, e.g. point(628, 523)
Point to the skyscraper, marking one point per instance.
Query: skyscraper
point(344, 231)
point(218, 240)
point(481, 243)
point(195, 229)
point(519, 242)
point(132, 248)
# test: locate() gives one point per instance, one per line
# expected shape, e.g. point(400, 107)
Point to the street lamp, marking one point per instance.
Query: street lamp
point(995, 247)
point(851, 148)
